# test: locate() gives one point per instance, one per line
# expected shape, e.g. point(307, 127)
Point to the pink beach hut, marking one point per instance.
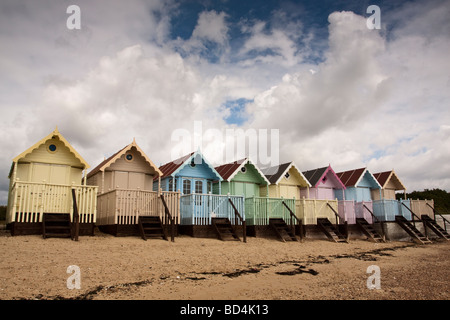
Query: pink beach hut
point(320, 200)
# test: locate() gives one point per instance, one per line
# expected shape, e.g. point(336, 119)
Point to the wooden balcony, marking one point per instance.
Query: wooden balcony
point(309, 210)
point(30, 200)
point(200, 209)
point(121, 206)
point(259, 210)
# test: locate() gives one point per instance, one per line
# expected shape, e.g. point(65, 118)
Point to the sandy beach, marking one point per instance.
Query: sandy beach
point(129, 268)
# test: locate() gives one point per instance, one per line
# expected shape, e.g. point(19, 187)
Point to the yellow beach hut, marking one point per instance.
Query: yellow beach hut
point(46, 180)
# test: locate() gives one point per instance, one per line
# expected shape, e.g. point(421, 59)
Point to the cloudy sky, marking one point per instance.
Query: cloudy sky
point(338, 92)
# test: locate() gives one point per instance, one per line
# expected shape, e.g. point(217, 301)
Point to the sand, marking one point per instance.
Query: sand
point(129, 268)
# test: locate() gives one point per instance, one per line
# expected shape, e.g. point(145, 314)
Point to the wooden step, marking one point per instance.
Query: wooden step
point(56, 225)
point(151, 227)
point(368, 230)
point(282, 230)
point(437, 229)
point(416, 235)
point(330, 230)
point(224, 229)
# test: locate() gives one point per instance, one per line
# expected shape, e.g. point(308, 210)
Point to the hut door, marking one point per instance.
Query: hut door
point(136, 180)
point(246, 189)
point(41, 172)
point(121, 180)
point(58, 174)
point(239, 188)
point(289, 191)
point(325, 193)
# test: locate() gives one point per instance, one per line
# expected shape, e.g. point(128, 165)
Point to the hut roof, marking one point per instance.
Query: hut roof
point(110, 160)
point(229, 170)
point(170, 167)
point(352, 178)
point(275, 173)
point(316, 175)
point(173, 167)
point(385, 177)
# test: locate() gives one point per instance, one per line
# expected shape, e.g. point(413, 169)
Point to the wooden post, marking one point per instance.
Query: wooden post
point(103, 182)
point(346, 230)
point(244, 225)
point(75, 215)
point(169, 217)
point(292, 216)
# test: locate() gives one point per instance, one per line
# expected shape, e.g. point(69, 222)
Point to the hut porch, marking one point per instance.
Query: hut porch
point(260, 211)
point(30, 200)
point(119, 210)
point(350, 210)
point(198, 211)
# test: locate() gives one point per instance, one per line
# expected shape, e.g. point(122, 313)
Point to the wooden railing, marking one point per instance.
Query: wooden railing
point(241, 219)
point(122, 206)
point(292, 218)
point(172, 203)
point(168, 217)
point(76, 216)
point(364, 209)
point(349, 210)
point(308, 210)
point(259, 210)
point(387, 209)
point(412, 215)
point(338, 219)
point(443, 218)
point(346, 211)
point(423, 207)
point(375, 219)
point(199, 209)
point(29, 201)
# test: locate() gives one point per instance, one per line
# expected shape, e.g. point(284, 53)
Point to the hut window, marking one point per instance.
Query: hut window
point(324, 179)
point(186, 186)
point(171, 184)
point(244, 169)
point(129, 157)
point(287, 175)
point(198, 186)
point(52, 148)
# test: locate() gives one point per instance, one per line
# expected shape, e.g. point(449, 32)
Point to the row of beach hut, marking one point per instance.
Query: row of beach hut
point(127, 194)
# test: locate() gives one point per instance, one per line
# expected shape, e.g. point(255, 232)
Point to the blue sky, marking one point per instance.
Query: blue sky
point(338, 93)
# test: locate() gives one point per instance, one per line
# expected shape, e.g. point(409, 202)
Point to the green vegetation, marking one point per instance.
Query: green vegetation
point(441, 198)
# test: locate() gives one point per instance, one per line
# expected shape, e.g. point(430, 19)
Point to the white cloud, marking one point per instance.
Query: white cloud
point(209, 39)
point(374, 101)
point(371, 96)
point(211, 26)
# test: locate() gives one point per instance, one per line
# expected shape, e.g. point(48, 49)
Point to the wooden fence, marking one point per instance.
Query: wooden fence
point(30, 200)
point(259, 210)
point(308, 210)
point(423, 207)
point(199, 209)
point(387, 209)
point(349, 210)
point(121, 206)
